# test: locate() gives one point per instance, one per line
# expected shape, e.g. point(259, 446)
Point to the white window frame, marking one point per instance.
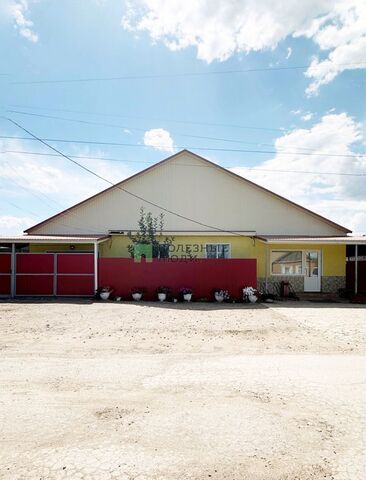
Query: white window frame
point(218, 243)
point(302, 274)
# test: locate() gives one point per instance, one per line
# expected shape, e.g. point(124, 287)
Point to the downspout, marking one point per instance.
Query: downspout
point(356, 269)
point(13, 271)
point(267, 254)
point(95, 266)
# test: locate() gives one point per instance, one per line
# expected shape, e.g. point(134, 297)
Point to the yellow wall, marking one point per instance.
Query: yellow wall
point(53, 247)
point(333, 256)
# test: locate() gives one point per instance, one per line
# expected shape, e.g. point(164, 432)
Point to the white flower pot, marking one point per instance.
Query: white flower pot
point(187, 297)
point(137, 296)
point(104, 295)
point(162, 297)
point(219, 298)
point(252, 298)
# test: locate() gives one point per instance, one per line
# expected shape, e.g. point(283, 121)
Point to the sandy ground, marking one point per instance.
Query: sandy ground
point(148, 391)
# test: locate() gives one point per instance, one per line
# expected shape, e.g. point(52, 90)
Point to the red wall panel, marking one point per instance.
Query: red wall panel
point(34, 263)
point(5, 263)
point(201, 275)
point(350, 275)
point(34, 285)
point(5, 284)
point(75, 263)
point(75, 285)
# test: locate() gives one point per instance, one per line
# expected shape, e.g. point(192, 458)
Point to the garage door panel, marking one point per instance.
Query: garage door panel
point(34, 285)
point(34, 263)
point(5, 263)
point(75, 263)
point(5, 284)
point(75, 285)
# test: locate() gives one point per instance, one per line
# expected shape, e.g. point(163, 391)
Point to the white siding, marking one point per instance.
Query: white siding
point(193, 188)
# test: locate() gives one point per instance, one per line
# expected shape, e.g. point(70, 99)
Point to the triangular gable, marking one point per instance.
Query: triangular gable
point(182, 154)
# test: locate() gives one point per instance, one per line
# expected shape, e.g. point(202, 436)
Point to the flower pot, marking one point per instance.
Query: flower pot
point(187, 297)
point(137, 296)
point(162, 297)
point(252, 298)
point(219, 298)
point(104, 295)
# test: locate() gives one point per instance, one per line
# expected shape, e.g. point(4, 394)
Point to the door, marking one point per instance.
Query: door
point(312, 276)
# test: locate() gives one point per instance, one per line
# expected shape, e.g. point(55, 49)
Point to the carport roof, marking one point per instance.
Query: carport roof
point(341, 240)
point(54, 239)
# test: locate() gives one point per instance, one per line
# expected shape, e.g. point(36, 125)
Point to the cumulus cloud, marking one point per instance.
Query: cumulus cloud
point(339, 197)
point(218, 29)
point(12, 225)
point(55, 177)
point(307, 116)
point(159, 139)
point(289, 53)
point(18, 10)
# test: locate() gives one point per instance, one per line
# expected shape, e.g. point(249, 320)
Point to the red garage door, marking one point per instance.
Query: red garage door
point(5, 273)
point(55, 274)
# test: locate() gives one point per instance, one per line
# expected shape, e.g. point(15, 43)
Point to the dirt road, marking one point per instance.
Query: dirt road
point(148, 391)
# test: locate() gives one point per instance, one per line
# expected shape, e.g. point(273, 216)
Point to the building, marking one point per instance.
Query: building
point(216, 218)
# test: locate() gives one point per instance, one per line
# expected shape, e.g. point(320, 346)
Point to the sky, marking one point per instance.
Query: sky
point(274, 90)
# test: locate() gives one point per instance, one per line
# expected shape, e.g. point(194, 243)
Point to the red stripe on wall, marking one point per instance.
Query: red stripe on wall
point(201, 275)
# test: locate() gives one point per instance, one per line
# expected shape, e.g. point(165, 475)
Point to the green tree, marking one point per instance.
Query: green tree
point(149, 230)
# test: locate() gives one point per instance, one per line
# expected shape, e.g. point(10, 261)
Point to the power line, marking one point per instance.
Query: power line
point(176, 75)
point(119, 187)
point(144, 130)
point(217, 149)
point(189, 122)
point(108, 159)
point(88, 122)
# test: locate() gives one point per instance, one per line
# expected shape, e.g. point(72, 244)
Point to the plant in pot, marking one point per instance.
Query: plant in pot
point(162, 293)
point(186, 294)
point(104, 292)
point(137, 293)
point(221, 295)
point(250, 295)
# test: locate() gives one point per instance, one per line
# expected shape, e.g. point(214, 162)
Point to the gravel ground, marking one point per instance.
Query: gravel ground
point(146, 391)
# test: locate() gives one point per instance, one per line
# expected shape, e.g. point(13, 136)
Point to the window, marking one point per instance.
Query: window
point(286, 262)
point(217, 250)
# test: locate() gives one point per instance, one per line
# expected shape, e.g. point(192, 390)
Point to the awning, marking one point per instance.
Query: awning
point(295, 239)
point(54, 239)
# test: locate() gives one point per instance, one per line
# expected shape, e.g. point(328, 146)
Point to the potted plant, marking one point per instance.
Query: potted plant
point(137, 293)
point(104, 292)
point(221, 295)
point(162, 293)
point(250, 295)
point(186, 294)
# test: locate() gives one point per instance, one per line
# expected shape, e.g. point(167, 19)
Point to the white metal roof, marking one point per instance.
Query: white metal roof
point(345, 240)
point(54, 239)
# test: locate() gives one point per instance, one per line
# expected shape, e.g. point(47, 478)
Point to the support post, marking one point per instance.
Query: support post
point(13, 272)
point(356, 269)
point(95, 266)
point(267, 254)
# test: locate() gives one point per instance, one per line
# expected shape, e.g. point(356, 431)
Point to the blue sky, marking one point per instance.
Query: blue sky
point(318, 110)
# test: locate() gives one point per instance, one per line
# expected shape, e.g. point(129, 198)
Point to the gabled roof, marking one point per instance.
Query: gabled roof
point(212, 164)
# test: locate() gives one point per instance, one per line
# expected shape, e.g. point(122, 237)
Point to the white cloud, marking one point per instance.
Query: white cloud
point(19, 11)
point(307, 116)
point(219, 29)
point(159, 139)
point(289, 53)
point(11, 225)
point(55, 177)
point(341, 198)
